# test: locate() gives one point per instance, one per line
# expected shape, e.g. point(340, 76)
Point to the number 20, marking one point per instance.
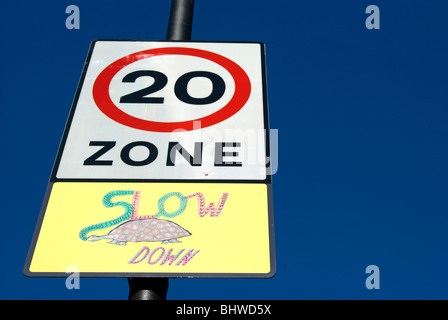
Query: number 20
point(180, 87)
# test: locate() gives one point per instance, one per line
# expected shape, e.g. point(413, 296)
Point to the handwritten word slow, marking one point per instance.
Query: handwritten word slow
point(203, 210)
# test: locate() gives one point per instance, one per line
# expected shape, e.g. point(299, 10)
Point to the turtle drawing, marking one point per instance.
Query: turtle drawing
point(135, 228)
point(144, 230)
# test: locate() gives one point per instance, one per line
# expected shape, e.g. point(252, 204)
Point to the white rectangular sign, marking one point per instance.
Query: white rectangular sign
point(161, 110)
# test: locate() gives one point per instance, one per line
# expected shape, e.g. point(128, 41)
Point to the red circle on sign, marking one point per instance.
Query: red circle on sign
point(103, 101)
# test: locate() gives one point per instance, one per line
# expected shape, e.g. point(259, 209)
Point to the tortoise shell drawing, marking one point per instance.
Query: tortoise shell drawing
point(145, 230)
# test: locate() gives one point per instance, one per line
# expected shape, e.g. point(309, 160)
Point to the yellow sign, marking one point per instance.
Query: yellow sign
point(155, 229)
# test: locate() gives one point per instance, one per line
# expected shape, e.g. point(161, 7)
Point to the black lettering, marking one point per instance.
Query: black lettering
point(194, 161)
point(220, 154)
point(160, 80)
point(127, 149)
point(93, 159)
point(180, 88)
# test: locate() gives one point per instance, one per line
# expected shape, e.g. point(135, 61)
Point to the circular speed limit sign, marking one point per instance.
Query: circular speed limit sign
point(152, 93)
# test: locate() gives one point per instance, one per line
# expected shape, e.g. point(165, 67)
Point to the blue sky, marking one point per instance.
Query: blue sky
point(361, 116)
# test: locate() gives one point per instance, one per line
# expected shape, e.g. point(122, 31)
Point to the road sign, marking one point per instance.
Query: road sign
point(186, 229)
point(163, 168)
point(168, 111)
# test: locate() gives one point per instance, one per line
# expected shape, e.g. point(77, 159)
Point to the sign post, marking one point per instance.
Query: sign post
point(163, 169)
point(181, 20)
point(179, 28)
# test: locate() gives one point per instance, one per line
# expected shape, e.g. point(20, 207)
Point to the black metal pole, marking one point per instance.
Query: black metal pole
point(148, 288)
point(181, 20)
point(179, 28)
